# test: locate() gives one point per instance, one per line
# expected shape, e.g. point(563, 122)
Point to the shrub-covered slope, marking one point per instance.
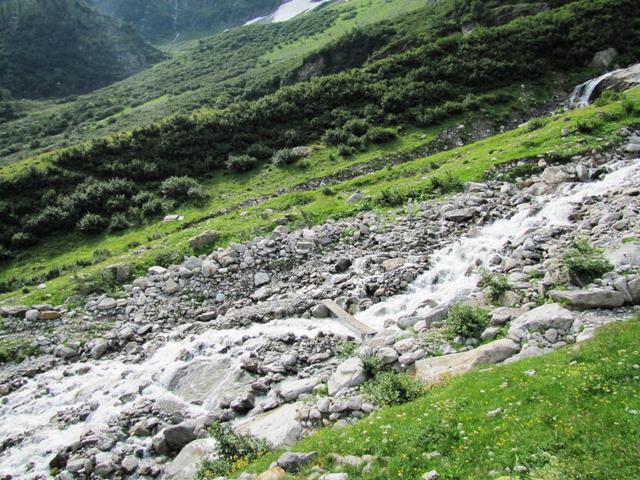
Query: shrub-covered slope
point(61, 47)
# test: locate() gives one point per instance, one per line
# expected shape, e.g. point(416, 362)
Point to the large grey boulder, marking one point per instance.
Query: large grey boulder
point(627, 254)
point(555, 175)
point(634, 289)
point(203, 240)
point(292, 389)
point(261, 278)
point(589, 298)
point(459, 215)
point(349, 373)
point(107, 303)
point(293, 461)
point(604, 58)
point(541, 319)
point(186, 465)
point(621, 80)
point(278, 427)
point(436, 369)
point(178, 436)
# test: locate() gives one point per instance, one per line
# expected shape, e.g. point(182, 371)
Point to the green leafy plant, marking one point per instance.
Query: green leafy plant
point(466, 321)
point(392, 388)
point(16, 350)
point(346, 349)
point(372, 364)
point(584, 263)
point(234, 451)
point(495, 283)
point(536, 124)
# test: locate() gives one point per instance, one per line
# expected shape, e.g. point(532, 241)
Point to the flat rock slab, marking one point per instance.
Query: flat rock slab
point(541, 319)
point(186, 465)
point(591, 298)
point(436, 369)
point(278, 427)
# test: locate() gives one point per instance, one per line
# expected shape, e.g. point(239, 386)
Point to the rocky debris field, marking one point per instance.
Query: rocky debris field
point(241, 335)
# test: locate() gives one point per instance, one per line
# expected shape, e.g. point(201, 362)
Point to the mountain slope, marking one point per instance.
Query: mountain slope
point(62, 47)
point(159, 20)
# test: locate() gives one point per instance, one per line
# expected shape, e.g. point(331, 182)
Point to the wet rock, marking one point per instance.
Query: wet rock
point(178, 436)
point(342, 265)
point(591, 298)
point(459, 215)
point(292, 389)
point(129, 464)
point(555, 175)
point(320, 311)
point(99, 348)
point(65, 352)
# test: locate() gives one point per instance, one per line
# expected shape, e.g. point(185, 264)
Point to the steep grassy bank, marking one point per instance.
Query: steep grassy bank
point(155, 242)
point(571, 414)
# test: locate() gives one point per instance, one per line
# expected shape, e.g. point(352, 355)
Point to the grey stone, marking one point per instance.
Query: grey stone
point(459, 215)
point(261, 278)
point(292, 389)
point(186, 465)
point(107, 303)
point(293, 462)
point(279, 427)
point(349, 373)
point(589, 298)
point(178, 436)
point(551, 315)
point(203, 240)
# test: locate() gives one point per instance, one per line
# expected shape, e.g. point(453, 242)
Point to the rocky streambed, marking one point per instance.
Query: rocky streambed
point(242, 335)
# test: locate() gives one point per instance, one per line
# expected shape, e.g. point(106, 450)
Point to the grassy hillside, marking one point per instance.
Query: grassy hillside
point(572, 414)
point(58, 259)
point(162, 20)
point(63, 47)
point(114, 183)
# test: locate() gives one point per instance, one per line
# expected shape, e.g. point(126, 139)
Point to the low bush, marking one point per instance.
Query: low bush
point(372, 364)
point(448, 183)
point(92, 224)
point(392, 388)
point(628, 107)
point(390, 198)
point(180, 188)
point(241, 163)
point(286, 156)
point(234, 452)
point(536, 124)
point(586, 125)
point(357, 127)
point(584, 263)
point(379, 135)
point(119, 222)
point(335, 136)
point(495, 284)
point(95, 283)
point(346, 349)
point(466, 321)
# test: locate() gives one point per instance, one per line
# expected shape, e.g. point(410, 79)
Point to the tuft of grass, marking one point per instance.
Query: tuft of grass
point(571, 414)
point(585, 263)
point(16, 350)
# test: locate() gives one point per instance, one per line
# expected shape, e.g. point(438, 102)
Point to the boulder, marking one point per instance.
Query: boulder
point(555, 175)
point(107, 303)
point(178, 436)
point(203, 240)
point(589, 298)
point(279, 427)
point(541, 319)
point(120, 271)
point(436, 369)
point(620, 80)
point(459, 215)
point(170, 287)
point(627, 254)
point(393, 264)
point(274, 473)
point(209, 268)
point(349, 373)
point(342, 265)
point(292, 389)
point(292, 462)
point(186, 465)
point(634, 290)
point(261, 278)
point(49, 315)
point(604, 58)
point(356, 197)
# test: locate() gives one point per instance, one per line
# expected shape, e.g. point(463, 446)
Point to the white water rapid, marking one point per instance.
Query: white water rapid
point(113, 385)
point(582, 94)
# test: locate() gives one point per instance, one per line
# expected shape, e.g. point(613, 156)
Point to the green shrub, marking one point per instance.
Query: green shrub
point(346, 150)
point(328, 191)
point(390, 198)
point(372, 364)
point(357, 127)
point(335, 136)
point(628, 106)
point(119, 222)
point(448, 183)
point(181, 189)
point(466, 321)
point(346, 349)
point(92, 223)
point(607, 97)
point(241, 163)
point(379, 135)
point(536, 124)
point(495, 283)
point(392, 388)
point(584, 263)
point(586, 125)
point(23, 239)
point(95, 283)
point(260, 151)
point(286, 156)
point(234, 451)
